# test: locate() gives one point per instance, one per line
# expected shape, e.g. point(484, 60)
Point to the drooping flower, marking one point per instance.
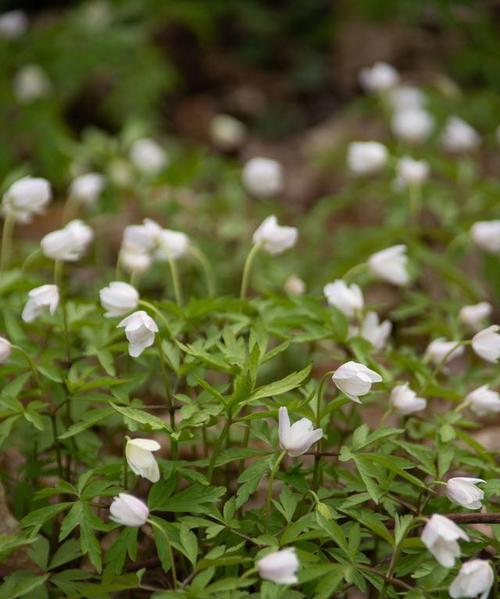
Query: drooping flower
point(263, 177)
point(366, 157)
point(134, 261)
point(440, 348)
point(118, 299)
point(148, 156)
point(484, 400)
point(140, 331)
point(374, 331)
point(227, 133)
point(274, 238)
point(486, 343)
point(172, 244)
point(486, 235)
point(380, 77)
point(280, 566)
point(463, 491)
point(127, 510)
point(413, 125)
point(440, 536)
point(475, 577)
point(5, 350)
point(69, 243)
point(355, 379)
point(26, 197)
point(410, 172)
point(297, 438)
point(459, 136)
point(347, 298)
point(390, 265)
point(40, 299)
point(140, 458)
point(474, 315)
point(405, 400)
point(87, 188)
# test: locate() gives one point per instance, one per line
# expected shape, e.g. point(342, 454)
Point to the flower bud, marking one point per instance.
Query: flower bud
point(440, 536)
point(227, 133)
point(294, 285)
point(5, 350)
point(439, 349)
point(40, 299)
point(355, 379)
point(484, 400)
point(298, 438)
point(463, 491)
point(31, 83)
point(280, 567)
point(140, 331)
point(118, 299)
point(346, 298)
point(473, 316)
point(134, 261)
point(411, 172)
point(391, 265)
point(324, 510)
point(142, 238)
point(413, 125)
point(486, 235)
point(380, 77)
point(366, 157)
point(263, 177)
point(274, 238)
point(87, 188)
point(172, 245)
point(475, 577)
point(68, 244)
point(26, 197)
point(140, 458)
point(459, 136)
point(127, 510)
point(405, 400)
point(374, 331)
point(486, 343)
point(148, 156)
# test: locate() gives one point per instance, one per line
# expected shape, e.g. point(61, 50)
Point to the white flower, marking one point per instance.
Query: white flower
point(118, 299)
point(355, 379)
point(463, 490)
point(280, 567)
point(140, 458)
point(142, 238)
point(148, 156)
point(484, 400)
point(366, 157)
point(294, 285)
point(13, 24)
point(486, 343)
point(263, 177)
point(474, 315)
point(5, 350)
point(405, 97)
point(405, 400)
point(486, 235)
point(134, 261)
point(31, 83)
point(459, 136)
point(391, 265)
point(68, 244)
point(411, 172)
point(40, 299)
point(140, 331)
point(172, 244)
point(374, 331)
point(475, 577)
point(438, 349)
point(299, 437)
point(26, 197)
point(380, 77)
point(227, 133)
point(87, 188)
point(413, 125)
point(274, 238)
point(127, 510)
point(348, 299)
point(440, 536)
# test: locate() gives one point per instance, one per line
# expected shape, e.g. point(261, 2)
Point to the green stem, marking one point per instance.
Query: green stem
point(218, 444)
point(269, 498)
point(125, 465)
point(206, 267)
point(392, 564)
point(442, 363)
point(32, 365)
point(246, 270)
point(30, 259)
point(168, 391)
point(7, 233)
point(415, 202)
point(175, 280)
point(154, 309)
point(317, 455)
point(58, 280)
point(57, 446)
point(355, 270)
point(169, 548)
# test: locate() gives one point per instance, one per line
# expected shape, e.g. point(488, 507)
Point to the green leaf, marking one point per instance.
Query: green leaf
point(142, 417)
point(20, 584)
point(192, 499)
point(292, 381)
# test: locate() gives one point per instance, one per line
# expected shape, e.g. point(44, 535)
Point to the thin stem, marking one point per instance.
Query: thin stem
point(169, 548)
point(168, 391)
point(206, 267)
point(57, 446)
point(154, 309)
point(415, 202)
point(7, 233)
point(442, 363)
point(217, 447)
point(30, 259)
point(31, 364)
point(175, 280)
point(269, 498)
point(392, 564)
point(125, 464)
point(319, 397)
point(246, 270)
point(355, 270)
point(58, 280)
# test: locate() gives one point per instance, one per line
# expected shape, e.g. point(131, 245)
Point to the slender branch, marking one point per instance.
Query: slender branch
point(246, 270)
point(485, 518)
point(270, 486)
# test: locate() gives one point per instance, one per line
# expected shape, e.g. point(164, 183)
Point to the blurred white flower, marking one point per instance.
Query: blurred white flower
point(5, 350)
point(463, 491)
point(390, 265)
point(87, 188)
point(440, 536)
point(140, 331)
point(347, 298)
point(40, 299)
point(26, 197)
point(374, 331)
point(475, 577)
point(13, 24)
point(459, 136)
point(474, 315)
point(294, 285)
point(355, 379)
point(274, 238)
point(226, 132)
point(486, 235)
point(380, 77)
point(486, 343)
point(140, 458)
point(148, 156)
point(31, 83)
point(263, 177)
point(405, 97)
point(405, 400)
point(280, 567)
point(118, 299)
point(172, 244)
point(413, 125)
point(410, 172)
point(134, 261)
point(440, 348)
point(484, 400)
point(69, 243)
point(297, 438)
point(127, 510)
point(142, 238)
point(366, 157)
